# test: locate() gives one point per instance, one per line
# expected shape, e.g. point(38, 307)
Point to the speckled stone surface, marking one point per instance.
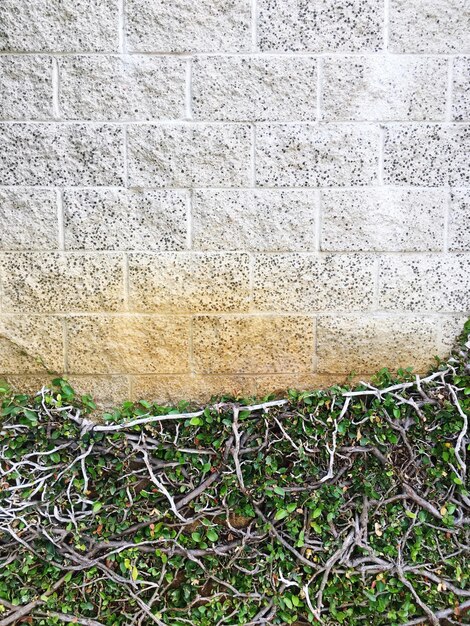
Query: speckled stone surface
point(253, 88)
point(26, 87)
point(182, 26)
point(137, 344)
point(180, 155)
point(189, 282)
point(47, 282)
point(59, 25)
point(385, 219)
point(28, 219)
point(320, 26)
point(232, 344)
point(459, 221)
point(430, 26)
point(31, 344)
point(461, 89)
point(61, 154)
point(125, 219)
point(305, 283)
point(261, 220)
point(297, 155)
point(425, 283)
point(429, 155)
point(390, 88)
point(363, 345)
point(202, 197)
point(131, 88)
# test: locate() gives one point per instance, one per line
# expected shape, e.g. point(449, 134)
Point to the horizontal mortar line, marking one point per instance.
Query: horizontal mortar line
point(146, 188)
point(248, 52)
point(193, 122)
point(185, 253)
point(369, 313)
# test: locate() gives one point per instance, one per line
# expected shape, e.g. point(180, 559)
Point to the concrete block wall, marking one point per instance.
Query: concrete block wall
point(231, 196)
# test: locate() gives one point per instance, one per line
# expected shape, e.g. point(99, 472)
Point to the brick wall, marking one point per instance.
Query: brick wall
point(203, 196)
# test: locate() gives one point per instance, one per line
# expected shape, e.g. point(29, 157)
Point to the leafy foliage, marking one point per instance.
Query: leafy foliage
point(335, 507)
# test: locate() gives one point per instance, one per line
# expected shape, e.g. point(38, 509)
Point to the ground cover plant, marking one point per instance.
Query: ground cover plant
point(344, 506)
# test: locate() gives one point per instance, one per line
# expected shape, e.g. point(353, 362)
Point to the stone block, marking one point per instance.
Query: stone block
point(364, 345)
point(459, 220)
point(425, 283)
point(383, 219)
point(384, 88)
point(59, 26)
point(254, 88)
point(61, 154)
point(259, 220)
point(181, 26)
point(461, 89)
point(124, 219)
point(429, 26)
point(189, 282)
point(108, 344)
point(301, 155)
point(29, 345)
point(307, 283)
point(61, 283)
point(107, 88)
point(189, 155)
point(250, 345)
point(26, 87)
point(320, 26)
point(28, 219)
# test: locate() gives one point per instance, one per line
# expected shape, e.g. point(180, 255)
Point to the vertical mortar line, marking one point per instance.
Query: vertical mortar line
point(319, 87)
point(318, 222)
point(376, 292)
point(251, 281)
point(60, 219)
point(191, 346)
point(315, 344)
point(450, 78)
point(55, 89)
point(188, 89)
point(125, 171)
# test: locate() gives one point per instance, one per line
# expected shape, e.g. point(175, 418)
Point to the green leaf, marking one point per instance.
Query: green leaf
point(281, 514)
point(196, 421)
point(212, 535)
point(279, 490)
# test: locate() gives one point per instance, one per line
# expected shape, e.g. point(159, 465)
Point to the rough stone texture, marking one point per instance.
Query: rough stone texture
point(230, 345)
point(305, 283)
point(61, 154)
point(31, 344)
point(437, 26)
point(182, 26)
point(61, 283)
point(461, 89)
point(320, 26)
point(253, 88)
point(189, 155)
point(204, 197)
point(28, 219)
point(189, 282)
point(59, 25)
point(428, 154)
point(261, 220)
point(124, 219)
point(385, 219)
point(298, 155)
point(390, 88)
point(121, 345)
point(425, 283)
point(131, 88)
point(459, 221)
point(26, 87)
point(364, 345)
